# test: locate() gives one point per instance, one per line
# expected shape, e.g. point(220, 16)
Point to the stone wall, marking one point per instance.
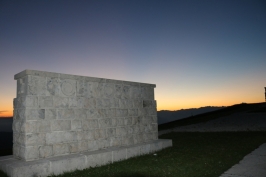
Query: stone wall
point(59, 114)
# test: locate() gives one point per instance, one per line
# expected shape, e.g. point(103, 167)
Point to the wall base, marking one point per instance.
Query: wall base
point(58, 165)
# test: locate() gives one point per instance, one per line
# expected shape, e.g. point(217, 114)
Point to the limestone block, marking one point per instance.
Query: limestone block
point(61, 102)
point(135, 139)
point(67, 87)
point(166, 143)
point(16, 150)
point(155, 135)
point(119, 153)
point(135, 129)
point(155, 146)
point(99, 134)
point(113, 122)
point(103, 143)
point(89, 124)
point(136, 120)
point(92, 89)
point(73, 162)
point(92, 113)
point(130, 130)
point(135, 92)
point(71, 77)
point(132, 112)
point(50, 114)
point(154, 127)
point(33, 139)
point(73, 147)
point(26, 102)
point(147, 128)
point(26, 127)
point(140, 137)
point(92, 145)
point(120, 122)
point(80, 114)
point(60, 149)
point(43, 126)
point(102, 113)
point(141, 128)
point(89, 103)
point(82, 146)
point(110, 113)
point(141, 112)
point(145, 149)
point(34, 114)
point(118, 91)
point(133, 151)
point(20, 138)
point(121, 112)
point(45, 151)
point(60, 137)
point(126, 92)
point(73, 102)
point(19, 169)
point(104, 123)
point(36, 85)
point(76, 125)
point(81, 88)
point(154, 119)
point(128, 121)
point(16, 126)
point(103, 103)
point(137, 103)
point(100, 89)
point(115, 141)
point(46, 102)
point(111, 132)
point(85, 135)
point(53, 86)
point(127, 140)
point(5, 161)
point(121, 131)
point(21, 86)
point(147, 103)
point(125, 103)
point(66, 114)
point(108, 91)
point(61, 125)
point(29, 153)
point(98, 158)
point(147, 93)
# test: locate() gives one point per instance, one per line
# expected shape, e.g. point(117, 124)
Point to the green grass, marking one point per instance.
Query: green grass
point(192, 155)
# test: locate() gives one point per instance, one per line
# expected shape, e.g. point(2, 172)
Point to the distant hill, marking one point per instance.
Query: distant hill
point(165, 116)
point(226, 111)
point(6, 124)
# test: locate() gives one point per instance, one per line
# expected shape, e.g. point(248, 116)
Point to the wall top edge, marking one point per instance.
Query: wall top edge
point(77, 77)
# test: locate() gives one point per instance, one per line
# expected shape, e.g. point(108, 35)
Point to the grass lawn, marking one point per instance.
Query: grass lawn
point(192, 155)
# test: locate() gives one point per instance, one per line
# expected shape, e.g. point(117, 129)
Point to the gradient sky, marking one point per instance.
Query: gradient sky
point(197, 52)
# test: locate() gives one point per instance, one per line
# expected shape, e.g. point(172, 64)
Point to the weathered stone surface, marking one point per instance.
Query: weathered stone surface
point(58, 165)
point(58, 114)
point(63, 164)
point(45, 151)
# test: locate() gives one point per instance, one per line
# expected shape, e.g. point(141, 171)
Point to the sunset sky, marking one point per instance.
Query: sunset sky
point(197, 52)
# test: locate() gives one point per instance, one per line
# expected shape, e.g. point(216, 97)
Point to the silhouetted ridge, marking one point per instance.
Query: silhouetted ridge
point(243, 107)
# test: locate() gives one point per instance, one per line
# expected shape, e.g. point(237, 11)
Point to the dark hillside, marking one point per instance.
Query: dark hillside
point(244, 107)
